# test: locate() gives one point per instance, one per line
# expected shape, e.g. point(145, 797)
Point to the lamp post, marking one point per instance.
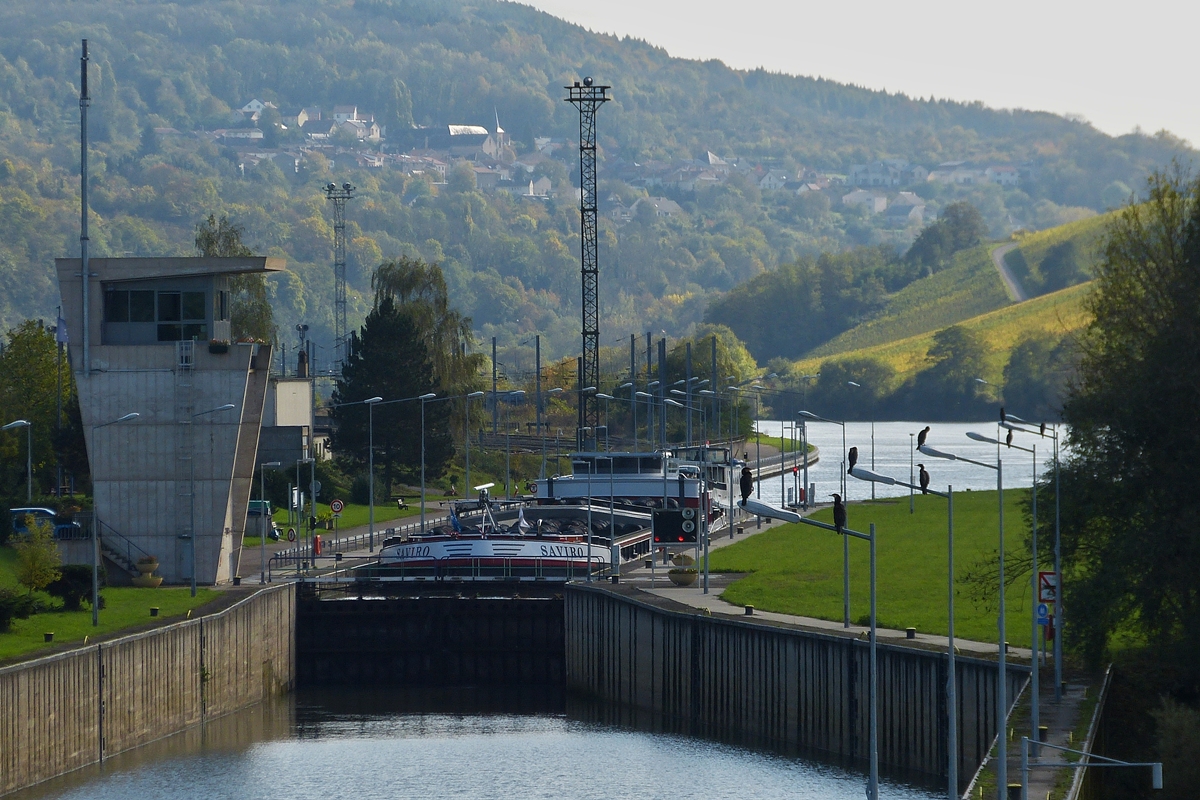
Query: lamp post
point(192, 493)
point(467, 443)
point(952, 677)
point(555, 390)
point(370, 404)
point(633, 404)
point(606, 398)
point(96, 527)
point(589, 465)
point(28, 426)
point(423, 398)
point(262, 539)
point(300, 520)
point(1034, 687)
point(859, 386)
point(1001, 684)
point(845, 497)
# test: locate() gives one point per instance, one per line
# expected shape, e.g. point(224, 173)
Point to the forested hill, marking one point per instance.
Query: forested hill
point(166, 76)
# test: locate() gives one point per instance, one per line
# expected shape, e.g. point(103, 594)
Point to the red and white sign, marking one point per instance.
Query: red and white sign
point(336, 506)
point(1047, 587)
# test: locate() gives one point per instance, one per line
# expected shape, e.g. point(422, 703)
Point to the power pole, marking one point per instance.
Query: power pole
point(587, 98)
point(339, 195)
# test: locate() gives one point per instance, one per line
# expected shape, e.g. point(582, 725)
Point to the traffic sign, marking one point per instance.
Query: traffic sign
point(336, 506)
point(1047, 587)
point(1043, 614)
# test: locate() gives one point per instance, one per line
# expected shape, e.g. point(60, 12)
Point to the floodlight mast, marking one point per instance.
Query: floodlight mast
point(587, 97)
point(339, 195)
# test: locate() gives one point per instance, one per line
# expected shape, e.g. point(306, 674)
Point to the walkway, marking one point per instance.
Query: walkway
point(1014, 287)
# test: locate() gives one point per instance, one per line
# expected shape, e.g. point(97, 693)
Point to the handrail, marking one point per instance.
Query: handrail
point(128, 543)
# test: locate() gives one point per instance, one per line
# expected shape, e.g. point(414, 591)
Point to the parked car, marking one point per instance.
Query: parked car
point(62, 530)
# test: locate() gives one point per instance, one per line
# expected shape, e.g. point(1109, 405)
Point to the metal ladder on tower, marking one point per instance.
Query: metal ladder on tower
point(185, 359)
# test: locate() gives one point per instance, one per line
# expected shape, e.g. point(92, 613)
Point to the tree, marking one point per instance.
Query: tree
point(947, 389)
point(960, 227)
point(1036, 375)
point(833, 394)
point(1129, 486)
point(38, 558)
point(250, 314)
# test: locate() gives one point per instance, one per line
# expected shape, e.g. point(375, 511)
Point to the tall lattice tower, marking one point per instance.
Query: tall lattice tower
point(339, 195)
point(587, 98)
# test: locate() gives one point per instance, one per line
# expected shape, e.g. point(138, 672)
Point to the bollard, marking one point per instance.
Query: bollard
point(749, 611)
point(649, 563)
point(1014, 791)
point(1043, 732)
point(237, 580)
point(48, 636)
point(154, 611)
point(910, 633)
point(615, 579)
point(740, 530)
point(1007, 647)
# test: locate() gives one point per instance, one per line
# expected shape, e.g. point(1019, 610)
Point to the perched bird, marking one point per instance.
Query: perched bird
point(747, 483)
point(853, 456)
point(839, 513)
point(921, 436)
point(1043, 429)
point(924, 478)
point(1008, 439)
point(1003, 417)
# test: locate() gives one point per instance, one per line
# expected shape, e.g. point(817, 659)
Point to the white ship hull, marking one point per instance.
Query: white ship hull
point(493, 551)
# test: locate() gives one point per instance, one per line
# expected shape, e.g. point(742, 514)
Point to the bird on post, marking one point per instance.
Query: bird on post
point(839, 513)
point(1008, 439)
point(1003, 416)
point(921, 436)
point(747, 483)
point(924, 477)
point(853, 459)
point(1043, 430)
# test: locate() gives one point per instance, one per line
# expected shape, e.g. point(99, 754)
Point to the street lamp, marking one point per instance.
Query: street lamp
point(952, 678)
point(606, 398)
point(370, 404)
point(467, 442)
point(1001, 686)
point(546, 423)
point(510, 396)
point(96, 528)
point(423, 398)
point(1034, 715)
point(262, 544)
point(845, 497)
point(192, 492)
point(629, 385)
point(28, 426)
point(589, 465)
point(859, 386)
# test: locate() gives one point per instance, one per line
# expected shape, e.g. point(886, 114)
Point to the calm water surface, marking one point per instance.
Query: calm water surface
point(324, 747)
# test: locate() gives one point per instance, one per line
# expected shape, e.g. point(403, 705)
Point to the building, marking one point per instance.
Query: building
point(1004, 176)
point(154, 339)
point(874, 203)
point(773, 179)
point(663, 207)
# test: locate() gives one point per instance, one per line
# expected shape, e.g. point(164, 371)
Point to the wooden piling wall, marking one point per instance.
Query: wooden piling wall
point(776, 684)
point(68, 710)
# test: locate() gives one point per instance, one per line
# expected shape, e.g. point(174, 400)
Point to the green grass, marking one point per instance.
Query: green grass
point(778, 442)
point(968, 288)
point(797, 569)
point(1031, 249)
point(125, 607)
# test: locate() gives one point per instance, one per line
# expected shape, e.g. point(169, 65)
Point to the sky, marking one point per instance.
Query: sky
point(1118, 66)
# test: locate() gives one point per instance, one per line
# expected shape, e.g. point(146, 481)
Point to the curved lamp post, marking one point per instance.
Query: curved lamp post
point(951, 668)
point(96, 528)
point(845, 497)
point(28, 426)
point(370, 404)
point(1001, 684)
point(857, 385)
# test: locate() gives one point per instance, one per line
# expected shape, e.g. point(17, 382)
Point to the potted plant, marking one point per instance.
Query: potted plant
point(147, 579)
point(218, 346)
point(682, 576)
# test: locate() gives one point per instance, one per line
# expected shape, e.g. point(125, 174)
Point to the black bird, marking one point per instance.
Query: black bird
point(1008, 439)
point(921, 436)
point(1003, 417)
point(747, 483)
point(839, 513)
point(1043, 429)
point(924, 478)
point(853, 459)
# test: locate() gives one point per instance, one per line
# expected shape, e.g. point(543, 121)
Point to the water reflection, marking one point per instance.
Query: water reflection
point(467, 743)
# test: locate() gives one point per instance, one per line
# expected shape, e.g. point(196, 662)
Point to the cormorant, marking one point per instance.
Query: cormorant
point(747, 483)
point(921, 436)
point(1043, 431)
point(1003, 417)
point(853, 459)
point(1008, 439)
point(839, 513)
point(924, 478)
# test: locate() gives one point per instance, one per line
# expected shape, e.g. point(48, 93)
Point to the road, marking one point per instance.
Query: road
point(1014, 287)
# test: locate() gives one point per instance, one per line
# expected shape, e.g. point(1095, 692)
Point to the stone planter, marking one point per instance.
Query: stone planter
point(682, 577)
point(147, 567)
point(147, 581)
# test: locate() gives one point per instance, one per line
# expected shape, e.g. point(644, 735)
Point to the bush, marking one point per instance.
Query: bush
point(14, 605)
point(360, 490)
point(73, 586)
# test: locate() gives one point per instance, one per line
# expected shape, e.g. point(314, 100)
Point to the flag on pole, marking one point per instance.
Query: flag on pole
point(522, 524)
point(454, 523)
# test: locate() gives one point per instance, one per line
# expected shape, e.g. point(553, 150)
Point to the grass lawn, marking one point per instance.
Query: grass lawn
point(354, 516)
point(125, 607)
point(797, 569)
point(778, 442)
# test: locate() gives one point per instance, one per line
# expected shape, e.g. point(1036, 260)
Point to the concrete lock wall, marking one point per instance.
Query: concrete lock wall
point(69, 710)
point(776, 684)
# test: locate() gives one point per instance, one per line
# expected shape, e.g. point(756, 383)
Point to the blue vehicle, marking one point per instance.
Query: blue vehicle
point(62, 530)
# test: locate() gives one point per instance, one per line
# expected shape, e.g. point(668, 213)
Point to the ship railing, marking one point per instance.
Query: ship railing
point(342, 569)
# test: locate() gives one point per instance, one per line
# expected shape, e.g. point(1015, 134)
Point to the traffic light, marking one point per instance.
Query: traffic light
point(676, 526)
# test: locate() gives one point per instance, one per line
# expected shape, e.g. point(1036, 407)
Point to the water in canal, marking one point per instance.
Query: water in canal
point(324, 744)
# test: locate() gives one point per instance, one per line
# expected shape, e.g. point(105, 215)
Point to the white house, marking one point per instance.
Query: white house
point(1004, 176)
point(774, 179)
point(874, 203)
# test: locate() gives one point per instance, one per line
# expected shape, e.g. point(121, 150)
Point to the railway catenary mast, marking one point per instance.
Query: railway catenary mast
point(587, 97)
point(339, 195)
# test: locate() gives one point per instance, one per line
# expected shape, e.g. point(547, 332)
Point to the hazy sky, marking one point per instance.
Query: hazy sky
point(1119, 66)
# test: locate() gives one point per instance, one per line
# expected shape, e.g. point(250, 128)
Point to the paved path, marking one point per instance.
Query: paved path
point(1014, 287)
point(1060, 720)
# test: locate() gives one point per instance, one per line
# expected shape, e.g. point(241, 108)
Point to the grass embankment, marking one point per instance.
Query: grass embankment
point(1057, 314)
point(797, 569)
point(1025, 260)
point(125, 607)
point(971, 286)
point(355, 516)
point(778, 442)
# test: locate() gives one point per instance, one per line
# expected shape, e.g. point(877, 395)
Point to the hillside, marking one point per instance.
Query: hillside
point(176, 136)
point(1058, 257)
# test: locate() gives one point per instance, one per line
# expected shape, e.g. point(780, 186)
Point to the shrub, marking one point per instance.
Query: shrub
point(360, 490)
point(38, 558)
point(73, 586)
point(13, 605)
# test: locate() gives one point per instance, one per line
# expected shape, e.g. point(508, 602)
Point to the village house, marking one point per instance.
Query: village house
point(663, 207)
point(253, 110)
point(1004, 176)
point(773, 179)
point(906, 209)
point(874, 203)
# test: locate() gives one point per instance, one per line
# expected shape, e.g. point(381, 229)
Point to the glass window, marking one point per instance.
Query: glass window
point(141, 306)
point(169, 308)
point(193, 305)
point(170, 333)
point(222, 310)
point(116, 306)
point(195, 331)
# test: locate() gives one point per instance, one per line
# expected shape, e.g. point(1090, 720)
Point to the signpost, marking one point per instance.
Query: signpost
point(1043, 614)
point(1047, 587)
point(336, 506)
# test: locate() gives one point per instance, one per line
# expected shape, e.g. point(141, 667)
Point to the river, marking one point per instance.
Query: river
point(327, 743)
point(892, 452)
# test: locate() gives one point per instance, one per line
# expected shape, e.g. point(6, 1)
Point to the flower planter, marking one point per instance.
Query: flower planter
point(682, 577)
point(146, 567)
point(147, 581)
